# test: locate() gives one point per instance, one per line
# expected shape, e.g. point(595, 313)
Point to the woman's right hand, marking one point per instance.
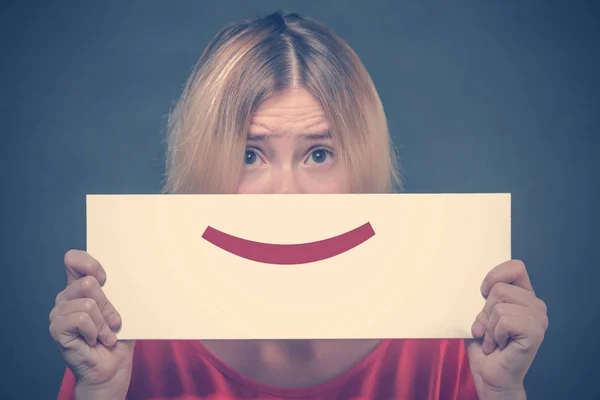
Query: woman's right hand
point(82, 323)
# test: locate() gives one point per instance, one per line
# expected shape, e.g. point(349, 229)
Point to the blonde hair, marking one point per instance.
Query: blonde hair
point(243, 66)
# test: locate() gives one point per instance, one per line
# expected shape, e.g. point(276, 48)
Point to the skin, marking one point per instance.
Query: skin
point(288, 151)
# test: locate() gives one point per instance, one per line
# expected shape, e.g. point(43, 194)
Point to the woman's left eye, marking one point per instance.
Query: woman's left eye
point(319, 156)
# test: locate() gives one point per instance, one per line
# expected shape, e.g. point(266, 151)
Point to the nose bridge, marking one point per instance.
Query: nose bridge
point(285, 180)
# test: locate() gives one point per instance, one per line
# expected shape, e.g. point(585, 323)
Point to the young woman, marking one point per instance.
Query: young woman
point(282, 105)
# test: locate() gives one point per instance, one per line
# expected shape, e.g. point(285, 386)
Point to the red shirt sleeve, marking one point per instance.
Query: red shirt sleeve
point(466, 383)
point(67, 387)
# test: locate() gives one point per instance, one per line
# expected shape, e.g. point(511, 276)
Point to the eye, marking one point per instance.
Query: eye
point(319, 156)
point(251, 158)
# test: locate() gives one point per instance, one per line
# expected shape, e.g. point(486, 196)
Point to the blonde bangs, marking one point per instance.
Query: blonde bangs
point(206, 133)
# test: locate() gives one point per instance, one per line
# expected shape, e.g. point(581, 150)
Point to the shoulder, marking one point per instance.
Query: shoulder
point(164, 352)
point(161, 358)
point(164, 367)
point(439, 367)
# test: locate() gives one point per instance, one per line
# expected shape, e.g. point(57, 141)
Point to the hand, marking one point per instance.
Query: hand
point(512, 324)
point(82, 323)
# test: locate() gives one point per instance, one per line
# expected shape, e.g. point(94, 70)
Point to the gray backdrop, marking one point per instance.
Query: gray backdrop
point(482, 96)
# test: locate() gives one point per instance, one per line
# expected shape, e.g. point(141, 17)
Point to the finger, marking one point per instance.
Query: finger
point(530, 318)
point(79, 263)
point(525, 332)
point(489, 344)
point(66, 330)
point(479, 326)
point(507, 293)
point(89, 306)
point(479, 330)
point(499, 311)
point(88, 287)
point(513, 272)
point(484, 325)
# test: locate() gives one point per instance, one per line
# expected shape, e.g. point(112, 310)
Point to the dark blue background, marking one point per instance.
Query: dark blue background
point(489, 96)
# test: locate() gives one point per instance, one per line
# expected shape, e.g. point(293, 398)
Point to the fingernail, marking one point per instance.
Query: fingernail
point(113, 321)
point(478, 329)
point(484, 288)
point(111, 339)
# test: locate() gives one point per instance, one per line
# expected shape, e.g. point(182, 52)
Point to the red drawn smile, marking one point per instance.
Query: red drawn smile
point(286, 254)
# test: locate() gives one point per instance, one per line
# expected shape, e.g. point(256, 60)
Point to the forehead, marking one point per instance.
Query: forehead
point(294, 111)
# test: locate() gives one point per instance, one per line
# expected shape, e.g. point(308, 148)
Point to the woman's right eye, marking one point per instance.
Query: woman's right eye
point(252, 158)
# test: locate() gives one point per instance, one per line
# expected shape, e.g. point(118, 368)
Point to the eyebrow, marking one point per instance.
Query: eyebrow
point(305, 136)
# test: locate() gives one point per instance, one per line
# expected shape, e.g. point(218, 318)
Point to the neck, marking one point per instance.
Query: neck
point(286, 353)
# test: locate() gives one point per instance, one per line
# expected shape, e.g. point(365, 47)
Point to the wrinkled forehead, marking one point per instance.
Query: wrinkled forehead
point(294, 112)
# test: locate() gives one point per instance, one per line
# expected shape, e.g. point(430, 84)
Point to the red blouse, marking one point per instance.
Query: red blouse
point(396, 369)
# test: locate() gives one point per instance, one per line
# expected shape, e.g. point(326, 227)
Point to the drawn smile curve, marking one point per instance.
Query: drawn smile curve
point(286, 254)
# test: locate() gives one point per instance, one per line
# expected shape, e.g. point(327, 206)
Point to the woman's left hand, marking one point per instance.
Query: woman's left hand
point(512, 324)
